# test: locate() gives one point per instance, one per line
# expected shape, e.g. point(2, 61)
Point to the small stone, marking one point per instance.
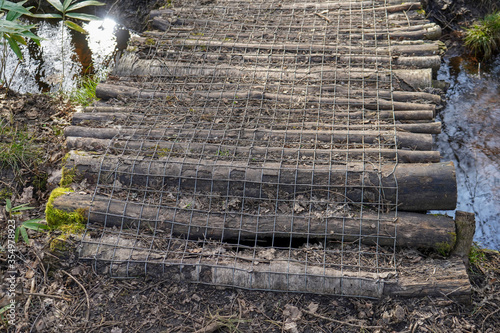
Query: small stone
point(399, 313)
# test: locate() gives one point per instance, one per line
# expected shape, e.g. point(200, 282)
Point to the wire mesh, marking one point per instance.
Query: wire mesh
point(253, 154)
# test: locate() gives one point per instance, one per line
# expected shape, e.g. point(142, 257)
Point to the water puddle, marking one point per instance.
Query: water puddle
point(42, 68)
point(471, 139)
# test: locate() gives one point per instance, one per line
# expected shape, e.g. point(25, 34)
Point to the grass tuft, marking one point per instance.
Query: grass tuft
point(17, 149)
point(85, 94)
point(483, 39)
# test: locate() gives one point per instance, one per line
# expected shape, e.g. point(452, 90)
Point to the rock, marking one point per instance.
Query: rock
point(399, 313)
point(27, 195)
point(54, 178)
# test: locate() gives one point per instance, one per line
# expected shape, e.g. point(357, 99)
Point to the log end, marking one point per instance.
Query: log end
point(64, 217)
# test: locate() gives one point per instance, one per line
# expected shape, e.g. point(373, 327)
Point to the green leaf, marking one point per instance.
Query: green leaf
point(12, 15)
point(82, 4)
point(33, 225)
point(31, 36)
point(15, 47)
point(21, 208)
point(57, 5)
point(76, 27)
point(16, 7)
point(16, 237)
point(83, 17)
point(66, 4)
point(24, 233)
point(1, 3)
point(19, 39)
point(8, 205)
point(48, 16)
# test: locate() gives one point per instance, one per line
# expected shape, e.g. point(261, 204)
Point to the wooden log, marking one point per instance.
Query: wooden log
point(412, 187)
point(428, 31)
point(99, 118)
point(433, 61)
point(412, 141)
point(121, 257)
point(466, 227)
point(364, 114)
point(191, 148)
point(397, 23)
point(131, 66)
point(107, 91)
point(347, 8)
point(413, 230)
point(397, 48)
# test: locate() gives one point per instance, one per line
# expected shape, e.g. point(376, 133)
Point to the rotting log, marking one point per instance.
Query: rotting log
point(107, 91)
point(412, 187)
point(404, 140)
point(413, 230)
point(194, 148)
point(466, 227)
point(121, 257)
point(422, 127)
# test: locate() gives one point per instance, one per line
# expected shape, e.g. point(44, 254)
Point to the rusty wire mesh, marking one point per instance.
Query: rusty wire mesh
point(252, 155)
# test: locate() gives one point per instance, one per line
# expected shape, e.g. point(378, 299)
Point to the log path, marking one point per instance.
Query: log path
point(277, 145)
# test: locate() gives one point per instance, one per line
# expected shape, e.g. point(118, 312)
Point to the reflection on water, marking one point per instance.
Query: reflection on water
point(471, 138)
point(42, 68)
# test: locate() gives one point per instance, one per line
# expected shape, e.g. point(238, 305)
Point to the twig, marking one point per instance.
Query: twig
point(44, 295)
point(486, 318)
point(323, 17)
point(87, 314)
point(210, 328)
point(340, 321)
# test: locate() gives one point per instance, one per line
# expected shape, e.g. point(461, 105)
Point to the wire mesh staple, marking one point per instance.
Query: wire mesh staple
point(253, 154)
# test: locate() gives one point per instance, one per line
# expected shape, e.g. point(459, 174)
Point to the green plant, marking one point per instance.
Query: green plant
point(13, 33)
point(476, 255)
point(17, 149)
point(67, 13)
point(32, 224)
point(85, 93)
point(483, 39)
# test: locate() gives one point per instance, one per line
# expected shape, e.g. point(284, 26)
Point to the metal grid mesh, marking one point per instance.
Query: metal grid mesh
point(254, 154)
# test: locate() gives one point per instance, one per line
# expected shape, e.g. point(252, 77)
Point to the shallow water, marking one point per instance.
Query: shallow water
point(471, 139)
point(42, 67)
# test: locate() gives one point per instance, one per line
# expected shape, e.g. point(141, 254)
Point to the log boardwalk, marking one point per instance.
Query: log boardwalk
point(271, 144)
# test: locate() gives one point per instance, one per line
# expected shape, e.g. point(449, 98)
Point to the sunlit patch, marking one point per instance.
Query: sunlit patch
point(63, 56)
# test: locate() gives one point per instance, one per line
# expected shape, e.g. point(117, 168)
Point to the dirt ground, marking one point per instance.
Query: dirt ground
point(56, 293)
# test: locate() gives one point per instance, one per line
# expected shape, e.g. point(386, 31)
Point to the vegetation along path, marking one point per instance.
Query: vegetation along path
point(270, 145)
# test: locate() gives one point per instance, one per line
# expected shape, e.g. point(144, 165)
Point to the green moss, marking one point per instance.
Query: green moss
point(150, 42)
point(68, 175)
point(5, 194)
point(68, 222)
point(59, 243)
point(445, 248)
